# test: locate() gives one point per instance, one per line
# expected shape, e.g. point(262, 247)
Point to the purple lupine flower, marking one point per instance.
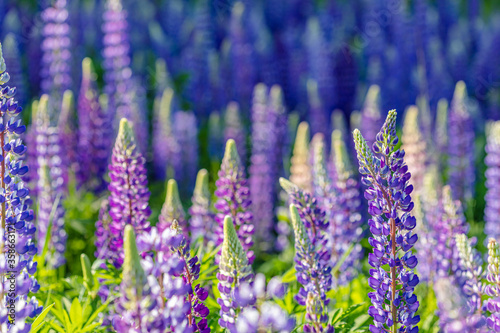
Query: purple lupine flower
point(56, 47)
point(461, 151)
point(138, 308)
point(300, 168)
point(261, 183)
point(234, 270)
point(312, 263)
point(17, 219)
point(233, 129)
point(103, 232)
point(346, 220)
point(51, 188)
point(166, 149)
point(202, 221)
point(452, 308)
point(414, 146)
point(120, 85)
point(172, 209)
point(129, 194)
point(389, 203)
point(492, 161)
point(94, 132)
point(493, 287)
point(265, 315)
point(234, 199)
point(470, 272)
point(196, 295)
point(163, 264)
point(317, 115)
point(13, 58)
point(451, 222)
point(371, 117)
point(186, 134)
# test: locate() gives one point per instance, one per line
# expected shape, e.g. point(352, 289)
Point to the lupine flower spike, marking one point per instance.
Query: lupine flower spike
point(94, 132)
point(17, 217)
point(414, 146)
point(234, 270)
point(51, 188)
point(234, 199)
point(300, 169)
point(493, 288)
point(234, 129)
point(492, 198)
point(129, 193)
point(172, 208)
point(386, 176)
point(461, 151)
point(202, 221)
point(138, 305)
point(314, 273)
point(166, 149)
point(346, 220)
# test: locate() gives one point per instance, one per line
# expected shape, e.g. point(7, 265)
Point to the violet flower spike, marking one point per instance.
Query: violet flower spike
point(18, 217)
point(202, 221)
point(461, 152)
point(51, 188)
point(138, 307)
point(493, 287)
point(56, 47)
point(261, 183)
point(386, 175)
point(94, 132)
point(492, 161)
point(166, 150)
point(234, 199)
point(314, 274)
point(129, 193)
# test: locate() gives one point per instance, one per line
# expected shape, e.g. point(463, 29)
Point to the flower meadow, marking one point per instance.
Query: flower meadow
point(250, 167)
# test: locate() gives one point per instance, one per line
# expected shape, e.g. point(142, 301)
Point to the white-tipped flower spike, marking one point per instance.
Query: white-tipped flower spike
point(233, 270)
point(133, 273)
point(339, 123)
point(364, 153)
point(234, 128)
point(300, 169)
point(340, 157)
point(172, 208)
point(202, 224)
point(321, 180)
point(414, 146)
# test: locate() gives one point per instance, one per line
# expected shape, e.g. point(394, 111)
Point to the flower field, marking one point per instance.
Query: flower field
point(250, 166)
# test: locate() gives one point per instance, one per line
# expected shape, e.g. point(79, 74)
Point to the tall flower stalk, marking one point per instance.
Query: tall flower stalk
point(51, 188)
point(16, 215)
point(172, 208)
point(300, 169)
point(492, 161)
point(234, 199)
point(386, 176)
point(201, 223)
point(234, 269)
point(261, 183)
point(129, 193)
point(313, 273)
point(461, 150)
point(94, 132)
point(56, 47)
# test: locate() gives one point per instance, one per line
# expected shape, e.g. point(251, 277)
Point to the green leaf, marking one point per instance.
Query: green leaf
point(359, 322)
point(56, 327)
point(289, 276)
point(336, 315)
point(39, 323)
point(98, 310)
point(91, 328)
point(76, 313)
